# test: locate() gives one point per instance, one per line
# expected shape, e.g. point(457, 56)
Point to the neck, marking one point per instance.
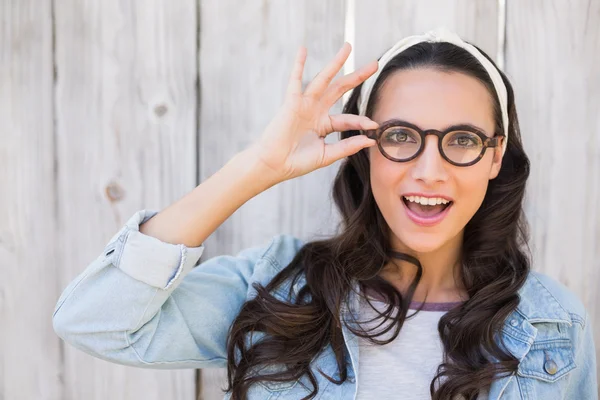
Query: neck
point(441, 280)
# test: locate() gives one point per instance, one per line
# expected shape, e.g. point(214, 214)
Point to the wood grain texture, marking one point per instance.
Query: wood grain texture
point(553, 53)
point(381, 23)
point(126, 117)
point(30, 355)
point(245, 61)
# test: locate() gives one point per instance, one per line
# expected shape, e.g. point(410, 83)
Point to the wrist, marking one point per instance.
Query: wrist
point(256, 171)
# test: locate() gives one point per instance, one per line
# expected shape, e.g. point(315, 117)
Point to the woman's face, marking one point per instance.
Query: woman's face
point(431, 99)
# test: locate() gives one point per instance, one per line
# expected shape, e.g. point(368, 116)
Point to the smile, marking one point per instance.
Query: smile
point(426, 211)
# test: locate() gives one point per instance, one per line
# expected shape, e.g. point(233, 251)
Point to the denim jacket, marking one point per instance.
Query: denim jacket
point(150, 304)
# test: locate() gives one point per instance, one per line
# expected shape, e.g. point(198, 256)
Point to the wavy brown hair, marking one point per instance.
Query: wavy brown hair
point(494, 266)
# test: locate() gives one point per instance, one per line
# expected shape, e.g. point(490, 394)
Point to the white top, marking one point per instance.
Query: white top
point(404, 368)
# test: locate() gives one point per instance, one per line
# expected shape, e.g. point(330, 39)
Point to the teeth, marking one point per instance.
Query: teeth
point(426, 201)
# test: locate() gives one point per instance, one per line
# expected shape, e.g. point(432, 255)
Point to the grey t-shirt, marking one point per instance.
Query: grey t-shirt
point(404, 368)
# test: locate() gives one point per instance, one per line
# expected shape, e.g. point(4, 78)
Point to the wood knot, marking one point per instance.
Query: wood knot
point(114, 192)
point(160, 110)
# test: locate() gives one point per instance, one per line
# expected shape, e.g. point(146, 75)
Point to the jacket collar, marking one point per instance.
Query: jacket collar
point(538, 304)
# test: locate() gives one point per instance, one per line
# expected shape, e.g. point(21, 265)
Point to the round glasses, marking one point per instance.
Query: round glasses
point(460, 145)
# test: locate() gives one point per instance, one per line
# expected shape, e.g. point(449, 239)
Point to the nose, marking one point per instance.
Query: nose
point(429, 166)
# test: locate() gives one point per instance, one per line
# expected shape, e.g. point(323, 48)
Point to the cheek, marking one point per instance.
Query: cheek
point(386, 182)
point(385, 174)
point(471, 188)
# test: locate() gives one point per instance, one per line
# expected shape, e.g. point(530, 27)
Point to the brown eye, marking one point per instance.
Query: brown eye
point(400, 136)
point(462, 147)
point(464, 139)
point(400, 142)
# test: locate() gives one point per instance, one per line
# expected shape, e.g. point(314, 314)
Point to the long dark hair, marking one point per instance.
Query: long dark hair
point(494, 267)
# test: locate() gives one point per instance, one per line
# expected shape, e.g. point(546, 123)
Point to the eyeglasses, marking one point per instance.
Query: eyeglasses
point(460, 145)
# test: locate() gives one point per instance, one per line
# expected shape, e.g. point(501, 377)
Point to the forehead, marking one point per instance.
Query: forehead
point(433, 99)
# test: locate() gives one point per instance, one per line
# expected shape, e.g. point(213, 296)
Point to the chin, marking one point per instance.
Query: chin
point(420, 243)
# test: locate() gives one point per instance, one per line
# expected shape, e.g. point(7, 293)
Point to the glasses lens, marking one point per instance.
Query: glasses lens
point(400, 142)
point(462, 147)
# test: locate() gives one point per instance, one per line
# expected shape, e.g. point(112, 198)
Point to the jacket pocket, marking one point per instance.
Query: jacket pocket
point(548, 360)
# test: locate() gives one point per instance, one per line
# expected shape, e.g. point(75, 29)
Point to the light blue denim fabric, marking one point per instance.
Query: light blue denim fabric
point(146, 303)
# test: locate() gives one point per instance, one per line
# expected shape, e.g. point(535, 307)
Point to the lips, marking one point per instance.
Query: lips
point(426, 215)
point(425, 211)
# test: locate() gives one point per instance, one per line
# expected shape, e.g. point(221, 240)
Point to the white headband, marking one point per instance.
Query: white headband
point(439, 35)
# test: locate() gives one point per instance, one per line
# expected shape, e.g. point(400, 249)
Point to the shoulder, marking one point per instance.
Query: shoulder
point(277, 250)
point(281, 250)
point(269, 258)
point(544, 297)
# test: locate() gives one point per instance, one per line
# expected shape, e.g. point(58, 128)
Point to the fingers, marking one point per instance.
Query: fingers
point(341, 85)
point(344, 148)
point(295, 82)
point(346, 122)
point(317, 86)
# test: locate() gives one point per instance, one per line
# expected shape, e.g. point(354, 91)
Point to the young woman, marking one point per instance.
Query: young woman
point(426, 292)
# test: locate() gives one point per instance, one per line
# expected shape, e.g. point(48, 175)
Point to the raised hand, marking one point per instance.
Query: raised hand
point(293, 144)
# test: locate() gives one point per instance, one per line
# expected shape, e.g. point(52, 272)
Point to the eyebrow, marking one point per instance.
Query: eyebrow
point(449, 127)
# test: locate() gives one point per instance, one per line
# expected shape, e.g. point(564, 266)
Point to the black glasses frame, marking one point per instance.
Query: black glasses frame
point(376, 134)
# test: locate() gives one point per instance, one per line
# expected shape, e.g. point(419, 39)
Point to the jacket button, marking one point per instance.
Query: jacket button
point(550, 367)
point(514, 322)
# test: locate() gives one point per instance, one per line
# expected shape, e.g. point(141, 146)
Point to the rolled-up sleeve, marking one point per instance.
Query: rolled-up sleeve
point(148, 259)
point(147, 303)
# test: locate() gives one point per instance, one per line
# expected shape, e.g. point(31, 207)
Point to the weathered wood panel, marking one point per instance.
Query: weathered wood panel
point(381, 23)
point(126, 116)
point(30, 352)
point(245, 61)
point(552, 54)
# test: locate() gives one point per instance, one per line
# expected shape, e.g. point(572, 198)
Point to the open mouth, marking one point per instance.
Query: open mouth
point(415, 205)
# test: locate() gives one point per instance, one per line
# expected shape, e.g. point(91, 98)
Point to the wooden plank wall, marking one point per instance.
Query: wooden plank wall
point(381, 23)
point(111, 107)
point(125, 95)
point(552, 55)
point(30, 354)
point(125, 104)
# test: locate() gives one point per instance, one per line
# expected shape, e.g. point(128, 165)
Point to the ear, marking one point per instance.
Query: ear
point(497, 161)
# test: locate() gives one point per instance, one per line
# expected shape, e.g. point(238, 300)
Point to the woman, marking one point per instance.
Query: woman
point(426, 292)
